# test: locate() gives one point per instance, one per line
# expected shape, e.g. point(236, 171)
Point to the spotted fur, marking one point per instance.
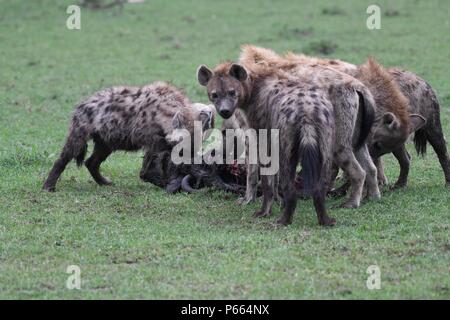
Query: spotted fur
point(126, 118)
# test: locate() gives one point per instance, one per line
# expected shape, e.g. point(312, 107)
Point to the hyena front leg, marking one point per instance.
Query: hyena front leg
point(351, 167)
point(75, 147)
point(267, 185)
point(371, 182)
point(342, 190)
point(100, 153)
point(382, 179)
point(403, 158)
point(252, 184)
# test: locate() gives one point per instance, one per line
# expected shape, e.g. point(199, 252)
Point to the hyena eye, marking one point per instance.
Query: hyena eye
point(214, 96)
point(232, 93)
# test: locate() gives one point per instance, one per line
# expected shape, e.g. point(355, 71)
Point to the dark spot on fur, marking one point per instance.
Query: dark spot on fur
point(287, 112)
point(301, 94)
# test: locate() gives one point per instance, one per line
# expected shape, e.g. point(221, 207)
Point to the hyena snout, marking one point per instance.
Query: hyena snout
point(226, 108)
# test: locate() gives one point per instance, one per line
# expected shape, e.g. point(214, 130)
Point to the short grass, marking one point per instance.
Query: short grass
point(132, 240)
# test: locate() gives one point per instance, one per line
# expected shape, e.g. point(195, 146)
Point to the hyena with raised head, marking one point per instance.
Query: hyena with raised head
point(127, 118)
point(340, 87)
point(302, 112)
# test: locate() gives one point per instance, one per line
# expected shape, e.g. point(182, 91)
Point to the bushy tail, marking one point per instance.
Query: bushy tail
point(420, 136)
point(366, 116)
point(311, 157)
point(79, 158)
point(420, 142)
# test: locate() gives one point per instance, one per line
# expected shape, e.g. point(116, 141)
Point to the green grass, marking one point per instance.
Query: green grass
point(132, 240)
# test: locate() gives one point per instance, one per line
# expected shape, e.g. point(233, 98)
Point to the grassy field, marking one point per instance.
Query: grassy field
point(132, 240)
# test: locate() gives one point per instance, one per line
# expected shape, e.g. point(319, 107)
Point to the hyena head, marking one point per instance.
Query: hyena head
point(225, 85)
point(388, 134)
point(185, 118)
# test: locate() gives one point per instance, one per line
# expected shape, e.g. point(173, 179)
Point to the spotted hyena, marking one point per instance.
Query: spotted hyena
point(127, 118)
point(309, 128)
point(423, 113)
point(340, 88)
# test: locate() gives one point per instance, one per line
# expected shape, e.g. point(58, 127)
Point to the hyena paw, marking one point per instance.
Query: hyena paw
point(398, 185)
point(282, 221)
point(337, 193)
point(105, 182)
point(328, 221)
point(261, 214)
point(245, 200)
point(382, 181)
point(349, 205)
point(49, 188)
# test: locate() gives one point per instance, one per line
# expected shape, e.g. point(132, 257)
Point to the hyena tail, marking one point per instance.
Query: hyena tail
point(420, 136)
point(311, 157)
point(420, 142)
point(79, 158)
point(366, 115)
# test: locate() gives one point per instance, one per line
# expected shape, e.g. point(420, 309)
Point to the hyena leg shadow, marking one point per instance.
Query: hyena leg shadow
point(366, 162)
point(100, 153)
point(353, 170)
point(75, 147)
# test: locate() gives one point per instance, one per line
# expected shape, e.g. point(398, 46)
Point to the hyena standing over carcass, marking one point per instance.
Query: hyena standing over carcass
point(339, 87)
point(127, 118)
point(310, 130)
point(423, 113)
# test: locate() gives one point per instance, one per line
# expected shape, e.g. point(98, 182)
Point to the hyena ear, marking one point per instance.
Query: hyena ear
point(204, 74)
point(237, 71)
point(390, 120)
point(416, 122)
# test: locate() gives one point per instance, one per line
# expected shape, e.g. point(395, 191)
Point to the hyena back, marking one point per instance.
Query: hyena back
point(126, 118)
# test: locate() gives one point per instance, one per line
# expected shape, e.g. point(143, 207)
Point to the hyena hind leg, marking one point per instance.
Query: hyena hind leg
point(366, 162)
point(352, 169)
point(100, 153)
point(287, 183)
point(437, 141)
point(75, 147)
